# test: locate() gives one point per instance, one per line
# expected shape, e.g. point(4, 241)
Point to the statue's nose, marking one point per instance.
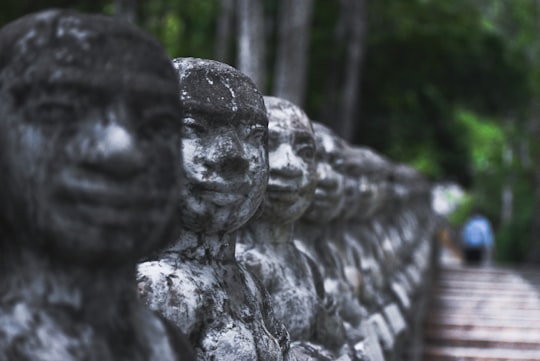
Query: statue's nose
point(228, 156)
point(327, 176)
point(111, 148)
point(283, 163)
point(117, 152)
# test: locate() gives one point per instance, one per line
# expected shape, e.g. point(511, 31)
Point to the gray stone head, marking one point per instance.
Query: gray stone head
point(88, 163)
point(291, 147)
point(329, 194)
point(365, 165)
point(407, 182)
point(353, 172)
point(224, 144)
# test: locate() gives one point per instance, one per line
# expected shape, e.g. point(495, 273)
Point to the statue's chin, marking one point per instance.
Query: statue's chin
point(284, 212)
point(78, 240)
point(222, 221)
point(321, 214)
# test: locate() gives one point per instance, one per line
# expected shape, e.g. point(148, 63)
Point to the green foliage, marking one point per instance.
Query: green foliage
point(486, 139)
point(489, 140)
point(512, 240)
point(186, 28)
point(13, 9)
point(425, 59)
point(458, 217)
point(325, 56)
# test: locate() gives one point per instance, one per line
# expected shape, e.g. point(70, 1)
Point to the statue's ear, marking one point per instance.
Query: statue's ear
point(258, 213)
point(317, 277)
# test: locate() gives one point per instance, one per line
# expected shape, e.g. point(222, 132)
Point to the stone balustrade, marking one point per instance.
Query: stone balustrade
point(257, 233)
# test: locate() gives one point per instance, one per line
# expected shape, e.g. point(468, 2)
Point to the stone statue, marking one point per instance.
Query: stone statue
point(313, 232)
point(348, 246)
point(265, 244)
point(374, 234)
point(356, 245)
point(411, 228)
point(89, 180)
point(197, 283)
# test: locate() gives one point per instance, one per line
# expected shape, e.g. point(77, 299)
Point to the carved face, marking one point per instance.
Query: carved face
point(352, 194)
point(224, 145)
point(366, 195)
point(329, 194)
point(374, 182)
point(90, 168)
point(291, 147)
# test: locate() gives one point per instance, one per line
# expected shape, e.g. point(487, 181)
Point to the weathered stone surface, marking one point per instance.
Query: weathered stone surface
point(314, 233)
point(88, 181)
point(383, 331)
point(358, 194)
point(401, 295)
point(90, 163)
point(370, 347)
point(265, 244)
point(395, 319)
point(197, 283)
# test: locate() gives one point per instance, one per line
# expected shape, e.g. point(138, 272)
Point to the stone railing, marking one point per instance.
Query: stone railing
point(256, 234)
point(405, 250)
point(395, 228)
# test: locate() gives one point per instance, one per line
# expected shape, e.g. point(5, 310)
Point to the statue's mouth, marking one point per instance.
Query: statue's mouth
point(108, 203)
point(225, 199)
point(282, 192)
point(240, 187)
point(221, 194)
point(326, 196)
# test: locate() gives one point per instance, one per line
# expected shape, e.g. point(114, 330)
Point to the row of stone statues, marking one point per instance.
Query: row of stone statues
point(158, 210)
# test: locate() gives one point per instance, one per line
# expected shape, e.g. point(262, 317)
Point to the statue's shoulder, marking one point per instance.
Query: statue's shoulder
point(181, 293)
point(155, 277)
point(165, 340)
point(158, 277)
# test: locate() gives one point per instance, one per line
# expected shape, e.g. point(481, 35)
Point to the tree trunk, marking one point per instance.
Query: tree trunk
point(252, 40)
point(126, 10)
point(332, 108)
point(533, 254)
point(507, 192)
point(292, 50)
point(357, 24)
point(224, 31)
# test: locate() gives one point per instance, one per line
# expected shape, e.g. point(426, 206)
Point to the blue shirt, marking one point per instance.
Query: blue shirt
point(477, 233)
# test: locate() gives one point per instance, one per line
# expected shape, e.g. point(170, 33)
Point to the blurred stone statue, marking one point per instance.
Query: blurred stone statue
point(197, 283)
point(266, 242)
point(382, 238)
point(348, 246)
point(314, 232)
point(89, 176)
point(405, 218)
point(359, 241)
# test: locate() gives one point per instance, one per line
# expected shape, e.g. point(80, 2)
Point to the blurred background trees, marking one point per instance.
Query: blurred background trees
point(450, 87)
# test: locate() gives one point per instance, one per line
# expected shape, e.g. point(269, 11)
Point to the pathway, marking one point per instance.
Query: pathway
point(484, 314)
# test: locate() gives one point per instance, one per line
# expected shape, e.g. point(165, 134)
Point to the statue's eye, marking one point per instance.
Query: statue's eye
point(54, 111)
point(306, 151)
point(274, 140)
point(337, 162)
point(258, 133)
point(193, 128)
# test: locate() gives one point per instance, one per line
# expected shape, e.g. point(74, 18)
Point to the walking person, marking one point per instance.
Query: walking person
point(478, 241)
